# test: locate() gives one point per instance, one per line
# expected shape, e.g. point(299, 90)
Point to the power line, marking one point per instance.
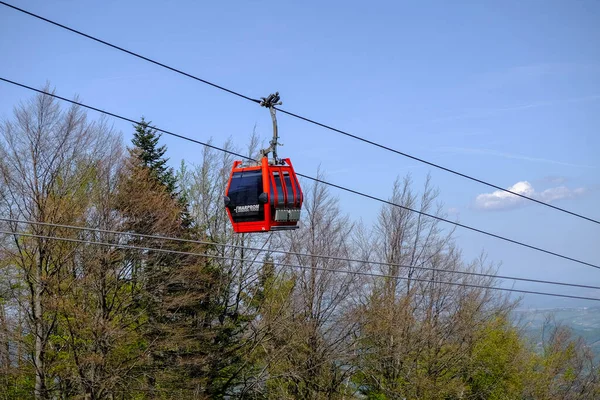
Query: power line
point(356, 137)
point(458, 224)
point(298, 254)
point(438, 166)
point(129, 52)
point(323, 269)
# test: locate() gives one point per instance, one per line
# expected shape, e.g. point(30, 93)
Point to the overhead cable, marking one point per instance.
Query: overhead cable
point(130, 52)
point(295, 266)
point(353, 136)
point(458, 224)
point(292, 253)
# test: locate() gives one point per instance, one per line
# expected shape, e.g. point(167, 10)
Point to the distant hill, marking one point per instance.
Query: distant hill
point(584, 321)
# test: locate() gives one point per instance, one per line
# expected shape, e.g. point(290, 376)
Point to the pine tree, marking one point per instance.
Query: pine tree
point(150, 154)
point(180, 298)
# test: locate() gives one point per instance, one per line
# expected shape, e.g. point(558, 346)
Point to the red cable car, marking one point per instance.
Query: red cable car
point(265, 196)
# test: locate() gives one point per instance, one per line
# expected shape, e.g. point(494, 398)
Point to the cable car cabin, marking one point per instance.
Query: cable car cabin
point(263, 198)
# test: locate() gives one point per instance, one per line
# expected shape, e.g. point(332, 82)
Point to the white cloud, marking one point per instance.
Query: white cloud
point(487, 152)
point(500, 200)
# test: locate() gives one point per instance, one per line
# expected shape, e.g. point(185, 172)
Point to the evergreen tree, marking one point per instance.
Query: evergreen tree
point(180, 297)
point(151, 155)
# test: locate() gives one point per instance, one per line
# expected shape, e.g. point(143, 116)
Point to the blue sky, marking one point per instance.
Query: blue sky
point(508, 91)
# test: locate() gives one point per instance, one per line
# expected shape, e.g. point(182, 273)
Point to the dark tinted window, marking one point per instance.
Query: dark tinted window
point(245, 188)
point(243, 194)
point(272, 191)
point(289, 189)
point(279, 187)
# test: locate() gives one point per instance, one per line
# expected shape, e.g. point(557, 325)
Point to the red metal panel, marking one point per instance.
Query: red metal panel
point(268, 183)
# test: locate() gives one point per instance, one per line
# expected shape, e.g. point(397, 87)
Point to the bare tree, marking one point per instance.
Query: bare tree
point(47, 156)
point(566, 367)
point(416, 330)
point(314, 333)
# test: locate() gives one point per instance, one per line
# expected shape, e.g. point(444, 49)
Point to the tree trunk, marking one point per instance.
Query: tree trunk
point(40, 368)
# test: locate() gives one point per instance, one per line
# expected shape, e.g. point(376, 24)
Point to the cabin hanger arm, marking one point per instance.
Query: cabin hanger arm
point(271, 101)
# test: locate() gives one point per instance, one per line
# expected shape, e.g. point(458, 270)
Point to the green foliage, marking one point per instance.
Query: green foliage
point(17, 384)
point(498, 362)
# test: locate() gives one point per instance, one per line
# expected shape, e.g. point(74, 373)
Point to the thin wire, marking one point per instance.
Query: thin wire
point(292, 253)
point(438, 166)
point(323, 269)
point(129, 52)
point(311, 178)
point(452, 222)
point(370, 142)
